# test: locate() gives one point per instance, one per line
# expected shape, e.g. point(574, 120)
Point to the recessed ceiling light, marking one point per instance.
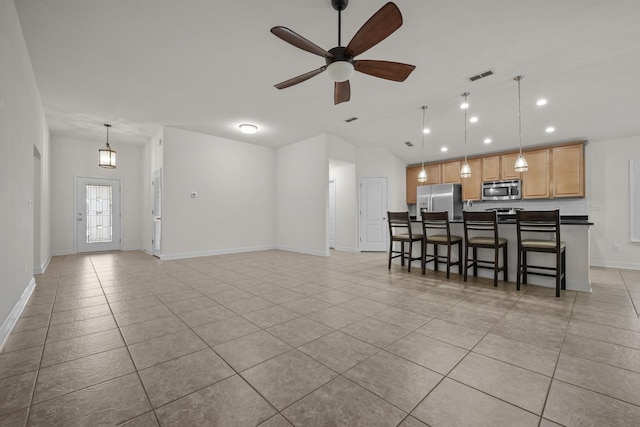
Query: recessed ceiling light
point(248, 128)
point(540, 102)
point(443, 149)
point(426, 130)
point(473, 119)
point(487, 141)
point(550, 129)
point(464, 105)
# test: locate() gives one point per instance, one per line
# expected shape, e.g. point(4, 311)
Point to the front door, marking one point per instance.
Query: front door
point(373, 214)
point(98, 214)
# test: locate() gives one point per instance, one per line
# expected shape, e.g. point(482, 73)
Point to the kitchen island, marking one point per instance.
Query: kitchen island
point(574, 231)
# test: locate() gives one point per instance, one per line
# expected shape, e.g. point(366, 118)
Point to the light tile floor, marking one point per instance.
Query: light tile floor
point(277, 339)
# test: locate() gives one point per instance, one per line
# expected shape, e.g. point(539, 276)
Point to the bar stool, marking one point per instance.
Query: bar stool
point(486, 223)
point(439, 221)
point(400, 231)
point(547, 222)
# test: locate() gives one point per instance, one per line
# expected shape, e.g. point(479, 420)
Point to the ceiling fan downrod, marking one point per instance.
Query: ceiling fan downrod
point(339, 5)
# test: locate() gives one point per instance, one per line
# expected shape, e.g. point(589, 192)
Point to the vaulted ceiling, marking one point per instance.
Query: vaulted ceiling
point(210, 65)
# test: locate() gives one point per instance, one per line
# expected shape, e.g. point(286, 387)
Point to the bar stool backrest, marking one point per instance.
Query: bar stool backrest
point(483, 223)
point(399, 223)
point(547, 222)
point(436, 221)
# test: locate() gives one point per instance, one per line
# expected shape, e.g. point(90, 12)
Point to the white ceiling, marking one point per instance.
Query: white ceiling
point(210, 65)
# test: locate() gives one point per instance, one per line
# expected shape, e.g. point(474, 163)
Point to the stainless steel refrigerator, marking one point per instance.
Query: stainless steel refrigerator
point(440, 197)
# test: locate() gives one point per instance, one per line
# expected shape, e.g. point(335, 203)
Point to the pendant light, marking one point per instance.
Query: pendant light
point(422, 176)
point(465, 170)
point(107, 156)
point(521, 163)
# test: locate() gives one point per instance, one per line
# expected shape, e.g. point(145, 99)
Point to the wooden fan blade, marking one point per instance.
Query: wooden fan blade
point(300, 78)
point(341, 92)
point(380, 26)
point(300, 42)
point(395, 71)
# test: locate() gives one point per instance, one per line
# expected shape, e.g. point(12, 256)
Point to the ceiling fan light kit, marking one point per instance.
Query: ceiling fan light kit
point(340, 60)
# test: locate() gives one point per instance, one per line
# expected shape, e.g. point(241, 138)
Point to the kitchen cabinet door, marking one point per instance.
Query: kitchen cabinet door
point(472, 186)
point(535, 181)
point(412, 183)
point(568, 171)
point(491, 168)
point(507, 167)
point(451, 172)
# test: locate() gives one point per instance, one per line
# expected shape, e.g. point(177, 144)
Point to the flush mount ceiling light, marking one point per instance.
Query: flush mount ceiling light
point(540, 102)
point(465, 170)
point(521, 163)
point(422, 175)
point(248, 128)
point(107, 156)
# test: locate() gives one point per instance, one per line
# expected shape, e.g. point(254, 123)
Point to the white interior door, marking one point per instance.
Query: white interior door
point(332, 213)
point(373, 214)
point(156, 213)
point(98, 219)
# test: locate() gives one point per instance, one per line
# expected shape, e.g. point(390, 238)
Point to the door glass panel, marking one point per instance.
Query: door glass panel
point(98, 220)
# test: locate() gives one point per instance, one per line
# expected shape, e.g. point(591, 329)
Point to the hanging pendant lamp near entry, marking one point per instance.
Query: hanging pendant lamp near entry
point(521, 163)
point(107, 156)
point(422, 176)
point(465, 170)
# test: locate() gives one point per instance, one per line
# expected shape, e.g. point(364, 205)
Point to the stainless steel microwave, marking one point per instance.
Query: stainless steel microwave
point(502, 190)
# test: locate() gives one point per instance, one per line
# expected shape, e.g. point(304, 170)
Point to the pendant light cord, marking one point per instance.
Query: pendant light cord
point(519, 115)
point(465, 129)
point(424, 110)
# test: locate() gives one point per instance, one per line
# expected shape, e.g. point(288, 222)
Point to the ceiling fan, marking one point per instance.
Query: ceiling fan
point(340, 60)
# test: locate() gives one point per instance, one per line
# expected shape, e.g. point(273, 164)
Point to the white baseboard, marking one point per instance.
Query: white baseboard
point(15, 313)
point(184, 255)
point(303, 250)
point(131, 248)
point(346, 249)
point(42, 268)
point(615, 264)
point(63, 253)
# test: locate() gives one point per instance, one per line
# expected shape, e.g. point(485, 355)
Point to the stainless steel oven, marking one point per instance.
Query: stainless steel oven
point(501, 190)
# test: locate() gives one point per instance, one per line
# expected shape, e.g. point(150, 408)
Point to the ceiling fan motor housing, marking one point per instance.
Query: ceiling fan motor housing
point(339, 54)
point(339, 5)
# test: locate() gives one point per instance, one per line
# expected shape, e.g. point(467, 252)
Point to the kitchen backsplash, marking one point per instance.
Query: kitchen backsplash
point(566, 206)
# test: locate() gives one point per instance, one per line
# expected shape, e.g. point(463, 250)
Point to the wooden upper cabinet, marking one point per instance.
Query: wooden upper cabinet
point(433, 177)
point(412, 183)
point(491, 168)
point(568, 171)
point(433, 174)
point(507, 167)
point(535, 181)
point(451, 172)
point(472, 186)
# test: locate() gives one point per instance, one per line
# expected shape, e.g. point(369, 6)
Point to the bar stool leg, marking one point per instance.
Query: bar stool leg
point(564, 269)
point(505, 272)
point(410, 255)
point(435, 256)
point(475, 262)
point(519, 270)
point(495, 266)
point(466, 261)
point(402, 254)
point(524, 267)
point(448, 259)
point(459, 257)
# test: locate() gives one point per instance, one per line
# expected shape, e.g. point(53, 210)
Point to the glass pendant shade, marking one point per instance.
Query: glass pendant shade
point(340, 71)
point(422, 176)
point(107, 157)
point(465, 170)
point(521, 164)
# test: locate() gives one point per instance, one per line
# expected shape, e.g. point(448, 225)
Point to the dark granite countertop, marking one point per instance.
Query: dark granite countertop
point(511, 219)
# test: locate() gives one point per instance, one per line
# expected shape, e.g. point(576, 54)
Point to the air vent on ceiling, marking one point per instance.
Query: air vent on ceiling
point(481, 75)
point(409, 144)
point(351, 119)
